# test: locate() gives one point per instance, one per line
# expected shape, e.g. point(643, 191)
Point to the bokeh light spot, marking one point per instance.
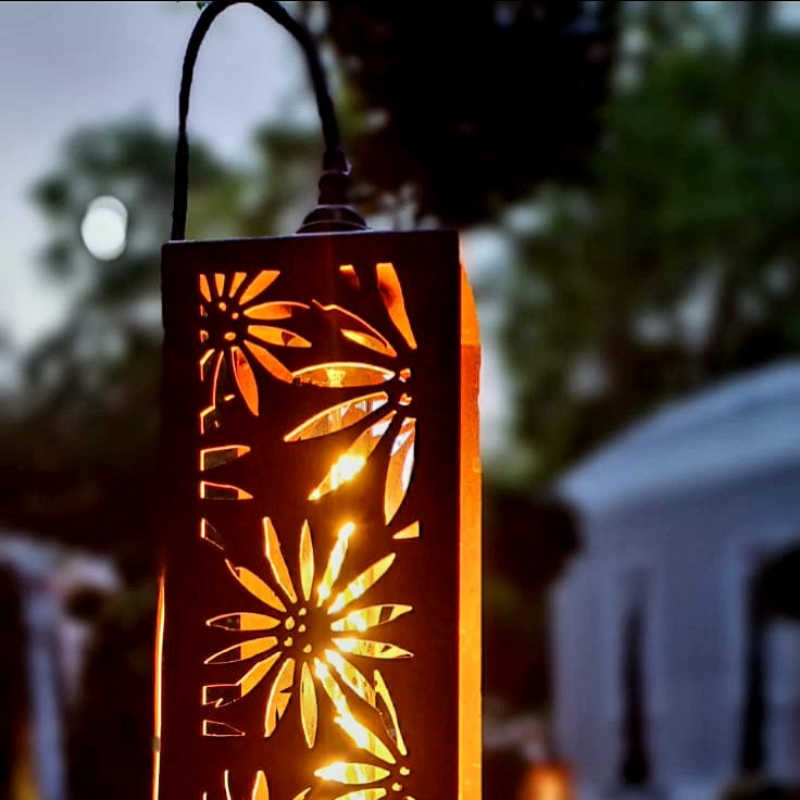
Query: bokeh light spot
point(104, 228)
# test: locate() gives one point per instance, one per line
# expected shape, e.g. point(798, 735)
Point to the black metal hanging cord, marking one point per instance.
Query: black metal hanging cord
point(333, 211)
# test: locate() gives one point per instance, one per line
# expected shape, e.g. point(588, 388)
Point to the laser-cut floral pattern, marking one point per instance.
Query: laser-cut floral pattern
point(235, 329)
point(368, 780)
point(309, 632)
point(391, 409)
point(259, 791)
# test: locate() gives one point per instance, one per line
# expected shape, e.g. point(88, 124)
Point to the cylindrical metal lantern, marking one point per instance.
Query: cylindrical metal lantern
point(319, 628)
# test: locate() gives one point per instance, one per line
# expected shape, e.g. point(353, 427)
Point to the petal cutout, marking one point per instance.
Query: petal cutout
point(352, 676)
point(264, 279)
point(308, 705)
point(352, 773)
point(279, 697)
point(236, 282)
point(243, 650)
point(277, 336)
point(219, 283)
point(338, 417)
point(205, 289)
point(342, 374)
point(222, 491)
point(370, 617)
point(364, 738)
point(224, 694)
point(243, 621)
point(350, 275)
point(391, 724)
point(335, 694)
point(371, 342)
point(260, 787)
point(392, 295)
point(306, 561)
point(354, 459)
point(212, 457)
point(363, 794)
point(221, 729)
point(268, 361)
point(274, 310)
point(409, 532)
point(335, 561)
point(272, 551)
point(210, 534)
point(366, 647)
point(245, 380)
point(362, 583)
point(302, 794)
point(256, 586)
point(401, 466)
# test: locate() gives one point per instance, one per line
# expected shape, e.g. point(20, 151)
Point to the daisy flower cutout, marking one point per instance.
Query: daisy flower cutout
point(387, 400)
point(237, 329)
point(303, 621)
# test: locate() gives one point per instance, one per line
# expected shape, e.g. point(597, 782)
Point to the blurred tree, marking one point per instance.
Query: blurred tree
point(462, 111)
point(677, 264)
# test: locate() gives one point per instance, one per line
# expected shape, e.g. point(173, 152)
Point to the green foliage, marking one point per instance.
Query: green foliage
point(676, 264)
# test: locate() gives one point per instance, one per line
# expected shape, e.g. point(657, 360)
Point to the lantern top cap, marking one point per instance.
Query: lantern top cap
point(333, 212)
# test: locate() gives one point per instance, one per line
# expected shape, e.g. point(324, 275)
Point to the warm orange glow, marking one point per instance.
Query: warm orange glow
point(159, 655)
point(549, 781)
point(469, 676)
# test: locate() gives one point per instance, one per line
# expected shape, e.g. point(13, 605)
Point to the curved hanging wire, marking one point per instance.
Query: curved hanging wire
point(335, 165)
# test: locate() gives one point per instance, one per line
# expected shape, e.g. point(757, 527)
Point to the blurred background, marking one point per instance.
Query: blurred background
point(626, 176)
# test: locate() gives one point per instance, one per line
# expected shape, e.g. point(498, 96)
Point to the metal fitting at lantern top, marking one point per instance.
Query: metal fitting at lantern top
point(319, 616)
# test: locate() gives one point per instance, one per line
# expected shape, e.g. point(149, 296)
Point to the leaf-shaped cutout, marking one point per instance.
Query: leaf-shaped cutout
point(409, 532)
point(332, 689)
point(277, 336)
point(354, 459)
point(274, 311)
point(364, 738)
point(260, 787)
point(380, 346)
point(212, 457)
point(223, 694)
point(362, 583)
point(363, 794)
point(268, 361)
point(343, 374)
point(352, 773)
point(208, 362)
point(338, 417)
point(210, 534)
point(352, 676)
point(392, 295)
point(401, 466)
point(272, 550)
point(308, 705)
point(279, 696)
point(219, 283)
point(389, 716)
point(370, 617)
point(243, 621)
point(350, 275)
point(220, 729)
point(262, 281)
point(335, 561)
point(205, 289)
point(256, 586)
point(222, 491)
point(236, 282)
point(366, 647)
point(245, 380)
point(306, 561)
point(243, 650)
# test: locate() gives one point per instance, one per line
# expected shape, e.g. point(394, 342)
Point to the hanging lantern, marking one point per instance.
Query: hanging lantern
point(319, 618)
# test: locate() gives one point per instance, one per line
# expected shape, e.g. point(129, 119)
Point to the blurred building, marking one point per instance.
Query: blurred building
point(663, 687)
